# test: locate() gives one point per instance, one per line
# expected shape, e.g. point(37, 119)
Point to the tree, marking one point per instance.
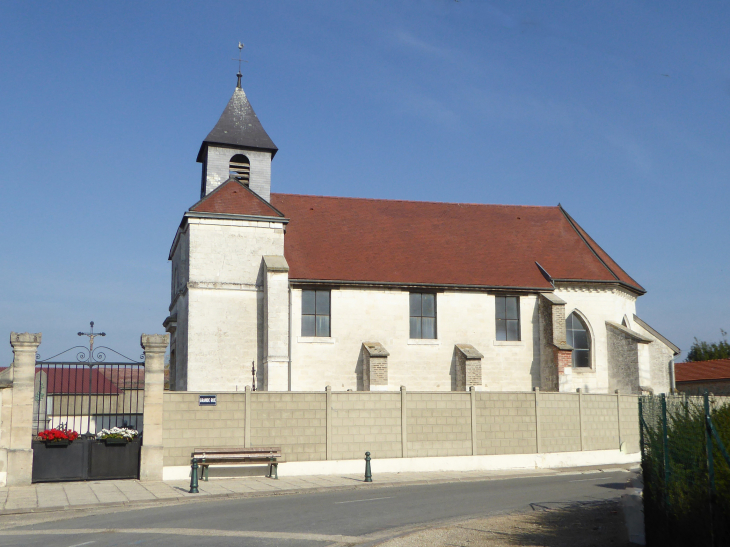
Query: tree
point(706, 351)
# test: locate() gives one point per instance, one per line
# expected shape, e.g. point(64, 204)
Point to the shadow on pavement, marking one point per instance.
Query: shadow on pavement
point(614, 485)
point(580, 525)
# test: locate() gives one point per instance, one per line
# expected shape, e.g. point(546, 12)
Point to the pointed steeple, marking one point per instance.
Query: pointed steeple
point(238, 127)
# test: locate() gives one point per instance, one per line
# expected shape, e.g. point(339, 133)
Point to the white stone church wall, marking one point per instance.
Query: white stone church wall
point(220, 313)
point(657, 358)
point(382, 315)
point(597, 305)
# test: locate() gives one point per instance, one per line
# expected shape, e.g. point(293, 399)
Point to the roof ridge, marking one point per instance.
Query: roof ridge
point(573, 224)
point(220, 186)
point(723, 361)
point(417, 201)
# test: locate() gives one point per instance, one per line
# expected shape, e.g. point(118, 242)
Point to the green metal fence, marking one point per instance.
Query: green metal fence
point(686, 469)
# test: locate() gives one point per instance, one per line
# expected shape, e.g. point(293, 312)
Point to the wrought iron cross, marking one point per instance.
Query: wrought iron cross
point(91, 336)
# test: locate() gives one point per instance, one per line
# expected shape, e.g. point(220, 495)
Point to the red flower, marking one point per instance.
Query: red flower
point(57, 435)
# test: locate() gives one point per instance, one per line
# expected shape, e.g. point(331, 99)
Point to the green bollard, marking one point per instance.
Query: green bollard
point(368, 473)
point(194, 477)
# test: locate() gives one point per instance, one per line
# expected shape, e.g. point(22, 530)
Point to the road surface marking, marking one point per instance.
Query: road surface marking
point(80, 544)
point(357, 501)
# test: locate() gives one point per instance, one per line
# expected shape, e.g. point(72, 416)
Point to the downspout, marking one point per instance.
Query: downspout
point(291, 333)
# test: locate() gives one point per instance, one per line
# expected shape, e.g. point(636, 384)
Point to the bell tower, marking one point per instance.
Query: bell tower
point(238, 147)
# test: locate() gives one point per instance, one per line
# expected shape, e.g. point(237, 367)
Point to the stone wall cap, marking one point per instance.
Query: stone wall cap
point(553, 299)
point(630, 333)
point(20, 339)
point(375, 349)
point(276, 263)
point(469, 351)
point(563, 347)
point(658, 336)
point(154, 341)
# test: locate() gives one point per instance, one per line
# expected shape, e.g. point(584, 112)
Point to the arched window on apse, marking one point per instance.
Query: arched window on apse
point(239, 168)
point(578, 336)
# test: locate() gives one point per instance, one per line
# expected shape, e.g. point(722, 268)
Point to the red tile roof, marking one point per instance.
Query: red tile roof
point(409, 242)
point(717, 369)
point(234, 198)
point(75, 380)
point(125, 377)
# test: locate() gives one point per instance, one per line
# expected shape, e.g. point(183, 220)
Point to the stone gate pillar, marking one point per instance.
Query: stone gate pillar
point(154, 346)
point(20, 453)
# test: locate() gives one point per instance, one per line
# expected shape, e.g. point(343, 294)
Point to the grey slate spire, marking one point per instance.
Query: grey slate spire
point(238, 127)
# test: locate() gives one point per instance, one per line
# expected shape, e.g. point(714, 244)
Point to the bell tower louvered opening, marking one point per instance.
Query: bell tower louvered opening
point(239, 168)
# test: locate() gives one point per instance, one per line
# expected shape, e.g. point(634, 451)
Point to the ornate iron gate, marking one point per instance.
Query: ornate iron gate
point(87, 397)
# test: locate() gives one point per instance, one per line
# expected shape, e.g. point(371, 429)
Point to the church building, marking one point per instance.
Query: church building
point(286, 292)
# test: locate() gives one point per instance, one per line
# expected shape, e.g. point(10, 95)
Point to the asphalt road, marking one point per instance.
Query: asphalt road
point(353, 517)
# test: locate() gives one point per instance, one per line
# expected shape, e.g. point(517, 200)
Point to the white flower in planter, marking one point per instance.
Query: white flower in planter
point(117, 433)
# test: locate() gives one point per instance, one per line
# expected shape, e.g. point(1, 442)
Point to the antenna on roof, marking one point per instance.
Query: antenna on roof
point(240, 48)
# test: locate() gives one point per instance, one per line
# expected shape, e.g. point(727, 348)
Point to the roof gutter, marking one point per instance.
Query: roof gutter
point(617, 282)
point(229, 216)
point(398, 284)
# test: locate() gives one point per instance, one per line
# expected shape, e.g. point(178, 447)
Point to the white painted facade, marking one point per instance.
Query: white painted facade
point(217, 300)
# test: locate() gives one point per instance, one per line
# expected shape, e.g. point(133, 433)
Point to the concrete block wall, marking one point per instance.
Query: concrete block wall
point(366, 422)
point(559, 422)
point(505, 423)
point(187, 426)
point(438, 424)
point(630, 423)
point(600, 422)
point(297, 422)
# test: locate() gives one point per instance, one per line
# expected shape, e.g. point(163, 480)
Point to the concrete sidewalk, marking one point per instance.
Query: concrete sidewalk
point(63, 496)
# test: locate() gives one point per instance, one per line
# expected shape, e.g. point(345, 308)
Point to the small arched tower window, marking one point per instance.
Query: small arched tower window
point(239, 168)
point(577, 335)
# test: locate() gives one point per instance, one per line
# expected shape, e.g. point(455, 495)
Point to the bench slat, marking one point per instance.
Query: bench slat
point(237, 450)
point(213, 457)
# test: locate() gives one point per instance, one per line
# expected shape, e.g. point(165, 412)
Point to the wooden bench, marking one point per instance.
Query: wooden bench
point(206, 457)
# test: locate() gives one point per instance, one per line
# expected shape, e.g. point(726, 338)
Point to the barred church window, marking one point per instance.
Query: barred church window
point(315, 313)
point(508, 318)
point(239, 169)
point(577, 335)
point(423, 315)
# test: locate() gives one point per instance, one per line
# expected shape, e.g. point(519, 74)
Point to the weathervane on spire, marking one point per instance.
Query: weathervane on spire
point(240, 48)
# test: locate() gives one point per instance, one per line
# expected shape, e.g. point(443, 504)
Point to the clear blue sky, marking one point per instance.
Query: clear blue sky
point(617, 110)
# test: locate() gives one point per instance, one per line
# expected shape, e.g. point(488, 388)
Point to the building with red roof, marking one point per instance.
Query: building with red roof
point(296, 292)
point(695, 378)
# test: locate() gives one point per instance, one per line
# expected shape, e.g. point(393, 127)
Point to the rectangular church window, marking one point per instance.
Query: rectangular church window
point(423, 315)
point(508, 318)
point(315, 313)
